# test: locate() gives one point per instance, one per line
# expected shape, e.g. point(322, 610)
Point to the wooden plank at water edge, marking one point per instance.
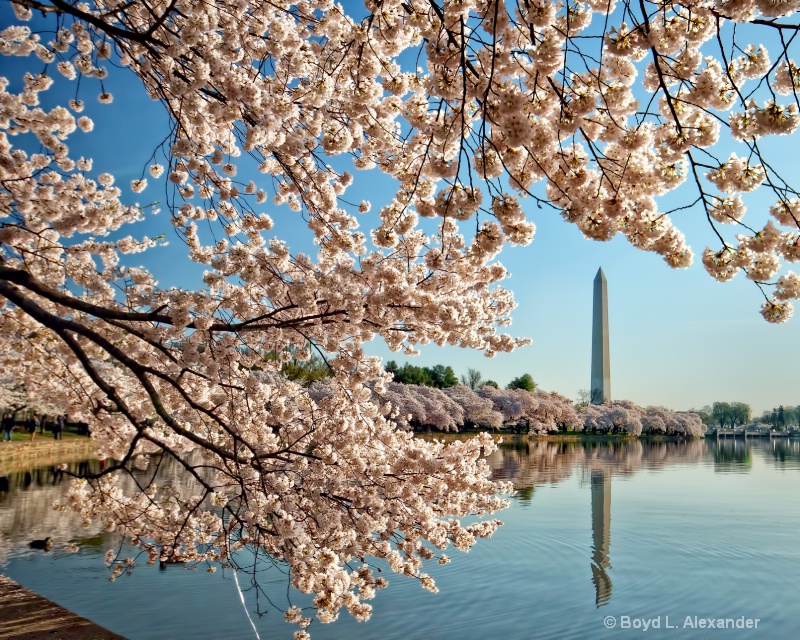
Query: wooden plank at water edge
point(27, 616)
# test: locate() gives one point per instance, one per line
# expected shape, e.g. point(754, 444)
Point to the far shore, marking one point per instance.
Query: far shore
point(569, 436)
point(609, 437)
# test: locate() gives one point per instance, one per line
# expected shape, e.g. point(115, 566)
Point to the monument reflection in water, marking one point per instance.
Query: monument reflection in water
point(543, 461)
point(601, 535)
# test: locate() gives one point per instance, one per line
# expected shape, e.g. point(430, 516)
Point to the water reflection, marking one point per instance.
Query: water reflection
point(26, 514)
point(26, 507)
point(527, 463)
point(785, 452)
point(27, 498)
point(601, 535)
point(732, 455)
point(530, 463)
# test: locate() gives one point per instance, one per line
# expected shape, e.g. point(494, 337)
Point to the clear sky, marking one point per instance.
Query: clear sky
point(677, 338)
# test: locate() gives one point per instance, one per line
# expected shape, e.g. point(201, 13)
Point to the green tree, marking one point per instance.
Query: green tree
point(438, 376)
point(721, 413)
point(306, 372)
point(740, 413)
point(525, 381)
point(765, 418)
point(442, 377)
point(409, 374)
point(491, 383)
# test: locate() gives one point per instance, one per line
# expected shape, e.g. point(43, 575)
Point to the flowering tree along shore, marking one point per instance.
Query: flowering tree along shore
point(534, 413)
point(607, 105)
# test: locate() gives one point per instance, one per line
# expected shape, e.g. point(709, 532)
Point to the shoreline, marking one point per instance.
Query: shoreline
point(613, 437)
point(560, 437)
point(20, 456)
point(575, 436)
point(25, 615)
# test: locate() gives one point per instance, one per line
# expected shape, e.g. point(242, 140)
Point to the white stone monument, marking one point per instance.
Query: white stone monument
point(600, 389)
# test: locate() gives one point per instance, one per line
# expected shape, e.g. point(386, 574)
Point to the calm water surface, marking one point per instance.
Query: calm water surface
point(598, 534)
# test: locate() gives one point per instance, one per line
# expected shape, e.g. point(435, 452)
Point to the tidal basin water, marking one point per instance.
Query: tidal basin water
point(602, 540)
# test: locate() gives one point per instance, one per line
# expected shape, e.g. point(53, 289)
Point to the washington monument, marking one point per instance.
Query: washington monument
point(600, 389)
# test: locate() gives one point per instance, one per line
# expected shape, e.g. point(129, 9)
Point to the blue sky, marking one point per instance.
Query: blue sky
point(677, 338)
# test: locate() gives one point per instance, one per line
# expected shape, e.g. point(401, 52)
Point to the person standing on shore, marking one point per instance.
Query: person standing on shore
point(32, 423)
point(8, 425)
point(58, 427)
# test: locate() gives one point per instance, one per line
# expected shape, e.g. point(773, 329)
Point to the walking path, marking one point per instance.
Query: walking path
point(19, 456)
point(27, 616)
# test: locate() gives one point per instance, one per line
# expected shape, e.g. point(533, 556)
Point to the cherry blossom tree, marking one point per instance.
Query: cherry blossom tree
point(405, 407)
point(660, 420)
point(686, 424)
point(655, 420)
point(594, 418)
point(12, 395)
point(608, 106)
point(626, 417)
point(478, 411)
point(539, 412)
point(517, 406)
point(618, 417)
point(554, 412)
point(423, 406)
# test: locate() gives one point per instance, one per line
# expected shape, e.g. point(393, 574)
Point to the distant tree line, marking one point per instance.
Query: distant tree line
point(781, 417)
point(438, 376)
point(443, 377)
point(307, 368)
point(730, 414)
point(422, 408)
point(424, 398)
